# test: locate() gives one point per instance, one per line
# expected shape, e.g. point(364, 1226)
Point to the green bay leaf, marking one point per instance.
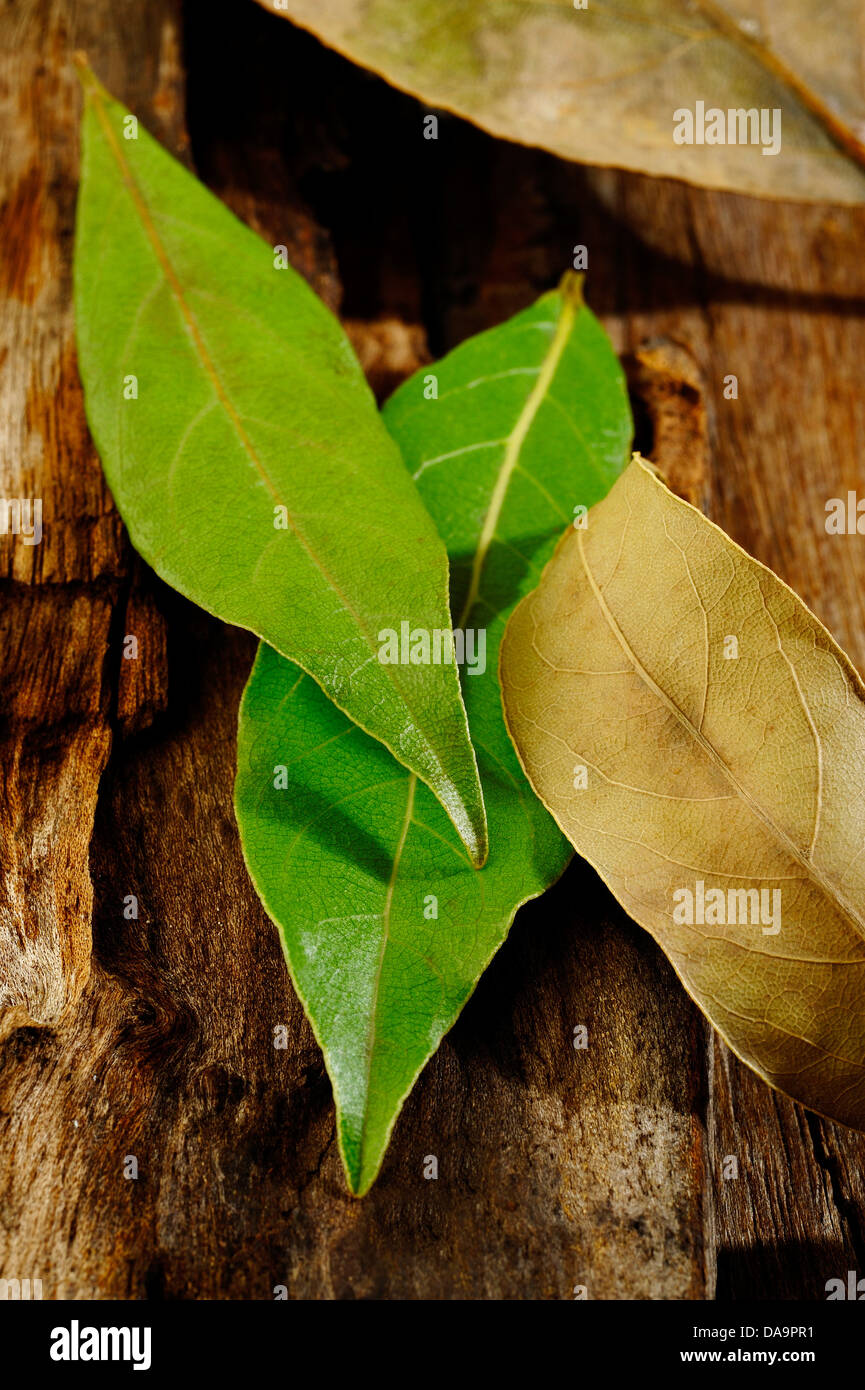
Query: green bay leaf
point(246, 454)
point(385, 924)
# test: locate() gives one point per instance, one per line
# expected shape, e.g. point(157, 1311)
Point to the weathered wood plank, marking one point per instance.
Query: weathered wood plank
point(59, 590)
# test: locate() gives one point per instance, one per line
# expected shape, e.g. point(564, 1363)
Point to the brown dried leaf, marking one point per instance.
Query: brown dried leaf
point(600, 84)
point(744, 773)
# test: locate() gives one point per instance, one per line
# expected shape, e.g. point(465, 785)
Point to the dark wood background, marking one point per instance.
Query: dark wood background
point(153, 1037)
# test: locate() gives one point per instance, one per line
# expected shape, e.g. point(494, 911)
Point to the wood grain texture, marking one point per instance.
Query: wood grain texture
point(557, 1167)
point(62, 594)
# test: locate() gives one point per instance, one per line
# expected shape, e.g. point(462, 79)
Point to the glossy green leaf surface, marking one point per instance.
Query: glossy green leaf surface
point(246, 454)
point(386, 925)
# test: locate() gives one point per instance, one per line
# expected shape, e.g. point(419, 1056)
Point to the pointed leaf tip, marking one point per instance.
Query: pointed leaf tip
point(246, 454)
point(386, 924)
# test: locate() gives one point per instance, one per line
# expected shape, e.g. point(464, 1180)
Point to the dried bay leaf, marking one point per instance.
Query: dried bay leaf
point(246, 454)
point(385, 925)
point(601, 84)
point(721, 736)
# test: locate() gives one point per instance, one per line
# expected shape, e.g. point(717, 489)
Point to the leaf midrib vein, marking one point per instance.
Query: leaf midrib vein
point(515, 441)
point(94, 95)
point(385, 938)
point(772, 63)
point(827, 888)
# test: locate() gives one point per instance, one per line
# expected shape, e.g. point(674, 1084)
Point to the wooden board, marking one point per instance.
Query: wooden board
point(557, 1168)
